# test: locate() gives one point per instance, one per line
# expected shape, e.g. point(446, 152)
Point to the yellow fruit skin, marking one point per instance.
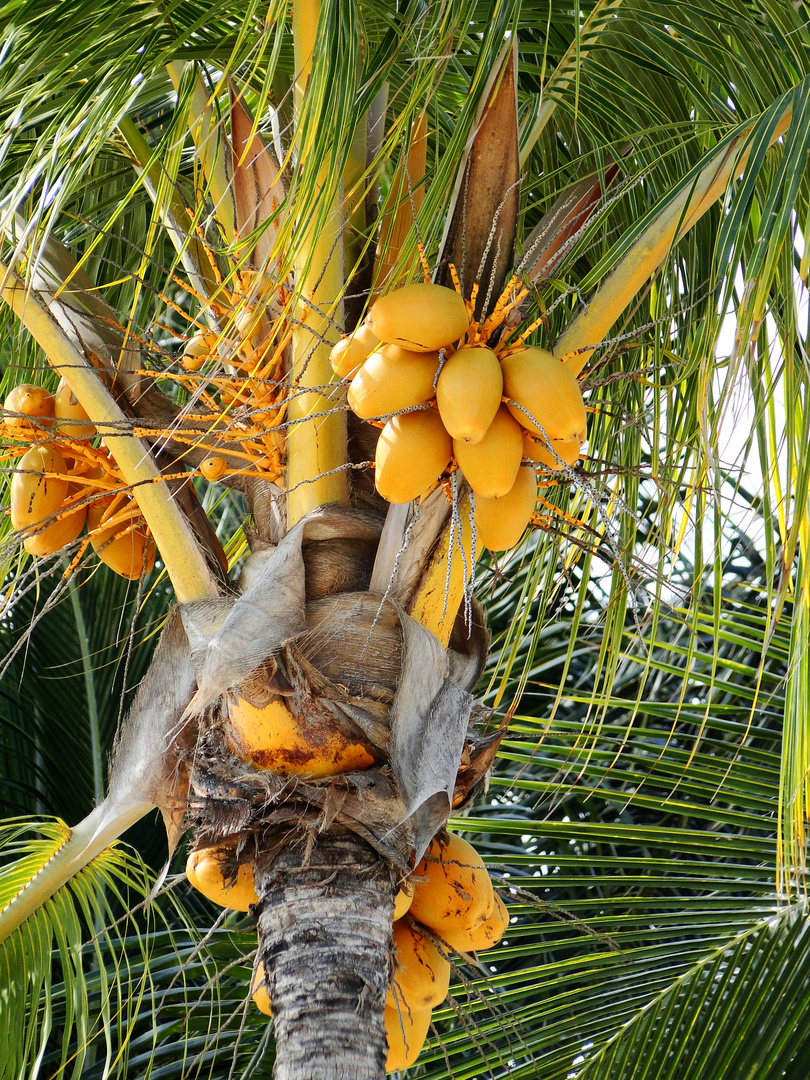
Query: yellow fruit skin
point(491, 465)
point(259, 991)
point(547, 390)
point(406, 1033)
point(421, 317)
point(213, 468)
point(483, 936)
point(469, 392)
point(271, 737)
point(71, 419)
point(403, 900)
point(33, 401)
point(35, 496)
point(537, 450)
point(129, 555)
point(349, 353)
point(56, 535)
point(500, 523)
point(412, 452)
point(392, 379)
point(455, 892)
point(421, 973)
point(204, 872)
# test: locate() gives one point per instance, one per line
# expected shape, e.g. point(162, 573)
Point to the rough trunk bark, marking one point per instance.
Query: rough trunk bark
point(324, 921)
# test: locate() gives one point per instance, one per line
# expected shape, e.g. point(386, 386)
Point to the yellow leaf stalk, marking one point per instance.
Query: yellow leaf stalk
point(315, 447)
point(180, 552)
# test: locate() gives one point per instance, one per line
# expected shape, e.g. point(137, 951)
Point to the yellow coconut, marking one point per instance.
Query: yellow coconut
point(350, 352)
point(469, 392)
point(413, 451)
point(130, 554)
point(403, 900)
point(421, 317)
point(31, 401)
point(492, 464)
point(452, 888)
point(483, 936)
point(204, 870)
point(538, 451)
point(35, 496)
point(406, 1033)
point(260, 992)
point(421, 974)
point(198, 349)
point(393, 379)
point(271, 737)
point(56, 535)
point(548, 393)
point(71, 419)
point(500, 523)
point(213, 467)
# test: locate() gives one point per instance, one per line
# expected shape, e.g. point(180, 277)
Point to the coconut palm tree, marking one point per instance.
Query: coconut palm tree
point(198, 202)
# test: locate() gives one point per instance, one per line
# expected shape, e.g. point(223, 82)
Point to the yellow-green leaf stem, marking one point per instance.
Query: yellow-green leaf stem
point(172, 209)
point(317, 447)
point(181, 555)
point(212, 148)
point(650, 250)
point(85, 842)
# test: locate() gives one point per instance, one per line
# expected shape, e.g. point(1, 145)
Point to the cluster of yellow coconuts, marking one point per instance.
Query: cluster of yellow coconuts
point(448, 398)
point(447, 904)
point(57, 473)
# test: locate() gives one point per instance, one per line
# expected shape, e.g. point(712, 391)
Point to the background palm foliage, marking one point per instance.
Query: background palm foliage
point(646, 813)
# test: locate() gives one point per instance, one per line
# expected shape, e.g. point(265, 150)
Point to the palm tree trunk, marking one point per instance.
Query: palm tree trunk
point(324, 921)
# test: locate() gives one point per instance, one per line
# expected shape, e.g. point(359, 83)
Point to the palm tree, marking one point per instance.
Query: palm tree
point(653, 627)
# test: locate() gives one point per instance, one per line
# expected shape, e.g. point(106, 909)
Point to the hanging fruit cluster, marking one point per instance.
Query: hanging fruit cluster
point(448, 903)
point(62, 483)
point(421, 364)
point(239, 374)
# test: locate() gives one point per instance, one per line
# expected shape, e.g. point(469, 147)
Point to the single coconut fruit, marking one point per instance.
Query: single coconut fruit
point(545, 394)
point(413, 450)
point(56, 535)
point(403, 900)
point(492, 464)
point(469, 392)
point(421, 317)
point(198, 349)
point(392, 379)
point(30, 401)
point(421, 974)
point(540, 452)
point(500, 523)
point(350, 352)
point(35, 496)
point(213, 468)
point(71, 419)
point(204, 870)
point(130, 554)
point(452, 888)
point(483, 936)
point(406, 1032)
point(259, 991)
point(271, 737)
